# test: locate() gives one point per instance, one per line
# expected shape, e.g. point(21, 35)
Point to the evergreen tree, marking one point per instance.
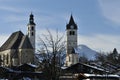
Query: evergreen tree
point(113, 57)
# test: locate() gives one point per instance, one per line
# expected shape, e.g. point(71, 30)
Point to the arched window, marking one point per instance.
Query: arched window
point(32, 33)
point(0, 60)
point(32, 28)
point(73, 32)
point(3, 59)
point(7, 59)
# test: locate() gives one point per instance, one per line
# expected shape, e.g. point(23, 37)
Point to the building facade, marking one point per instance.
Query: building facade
point(19, 48)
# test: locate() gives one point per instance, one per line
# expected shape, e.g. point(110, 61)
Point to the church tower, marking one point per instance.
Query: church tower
point(71, 31)
point(31, 30)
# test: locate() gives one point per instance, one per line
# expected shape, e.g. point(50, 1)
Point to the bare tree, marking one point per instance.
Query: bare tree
point(101, 57)
point(51, 53)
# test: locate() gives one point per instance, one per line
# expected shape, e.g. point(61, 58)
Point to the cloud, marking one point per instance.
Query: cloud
point(41, 33)
point(51, 21)
point(3, 38)
point(111, 10)
point(100, 42)
point(9, 8)
point(14, 18)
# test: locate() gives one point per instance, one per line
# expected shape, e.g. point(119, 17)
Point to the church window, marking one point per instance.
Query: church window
point(0, 60)
point(3, 59)
point(7, 59)
point(73, 33)
point(32, 28)
point(70, 33)
point(32, 33)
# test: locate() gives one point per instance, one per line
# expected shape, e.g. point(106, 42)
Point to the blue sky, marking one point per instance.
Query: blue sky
point(98, 20)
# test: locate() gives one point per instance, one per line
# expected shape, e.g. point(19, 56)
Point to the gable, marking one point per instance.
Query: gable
point(25, 43)
point(15, 41)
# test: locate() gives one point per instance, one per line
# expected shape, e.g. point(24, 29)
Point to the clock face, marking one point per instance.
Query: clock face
point(72, 27)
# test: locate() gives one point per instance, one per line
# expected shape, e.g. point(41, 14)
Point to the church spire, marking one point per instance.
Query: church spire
point(71, 20)
point(71, 23)
point(31, 19)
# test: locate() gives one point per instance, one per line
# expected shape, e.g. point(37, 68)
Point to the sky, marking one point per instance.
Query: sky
point(98, 20)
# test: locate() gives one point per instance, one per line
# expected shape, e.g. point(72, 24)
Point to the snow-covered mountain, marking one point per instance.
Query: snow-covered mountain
point(83, 50)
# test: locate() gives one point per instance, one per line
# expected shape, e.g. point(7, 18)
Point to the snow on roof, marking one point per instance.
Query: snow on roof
point(94, 67)
point(112, 66)
point(26, 78)
point(64, 67)
point(35, 66)
point(97, 75)
point(39, 72)
point(32, 65)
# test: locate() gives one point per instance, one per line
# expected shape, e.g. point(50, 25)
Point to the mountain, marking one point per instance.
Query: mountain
point(85, 51)
point(82, 50)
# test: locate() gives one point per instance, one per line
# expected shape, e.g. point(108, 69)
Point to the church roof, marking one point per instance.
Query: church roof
point(15, 54)
point(15, 41)
point(71, 23)
point(25, 43)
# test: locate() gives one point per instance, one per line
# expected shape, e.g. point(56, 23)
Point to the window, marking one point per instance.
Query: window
point(7, 59)
point(3, 59)
point(72, 32)
point(0, 60)
point(32, 33)
point(32, 28)
point(0, 57)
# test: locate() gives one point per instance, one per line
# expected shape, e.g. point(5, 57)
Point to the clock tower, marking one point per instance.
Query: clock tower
point(71, 32)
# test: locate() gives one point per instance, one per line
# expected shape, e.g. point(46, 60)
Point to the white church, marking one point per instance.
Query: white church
point(19, 48)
